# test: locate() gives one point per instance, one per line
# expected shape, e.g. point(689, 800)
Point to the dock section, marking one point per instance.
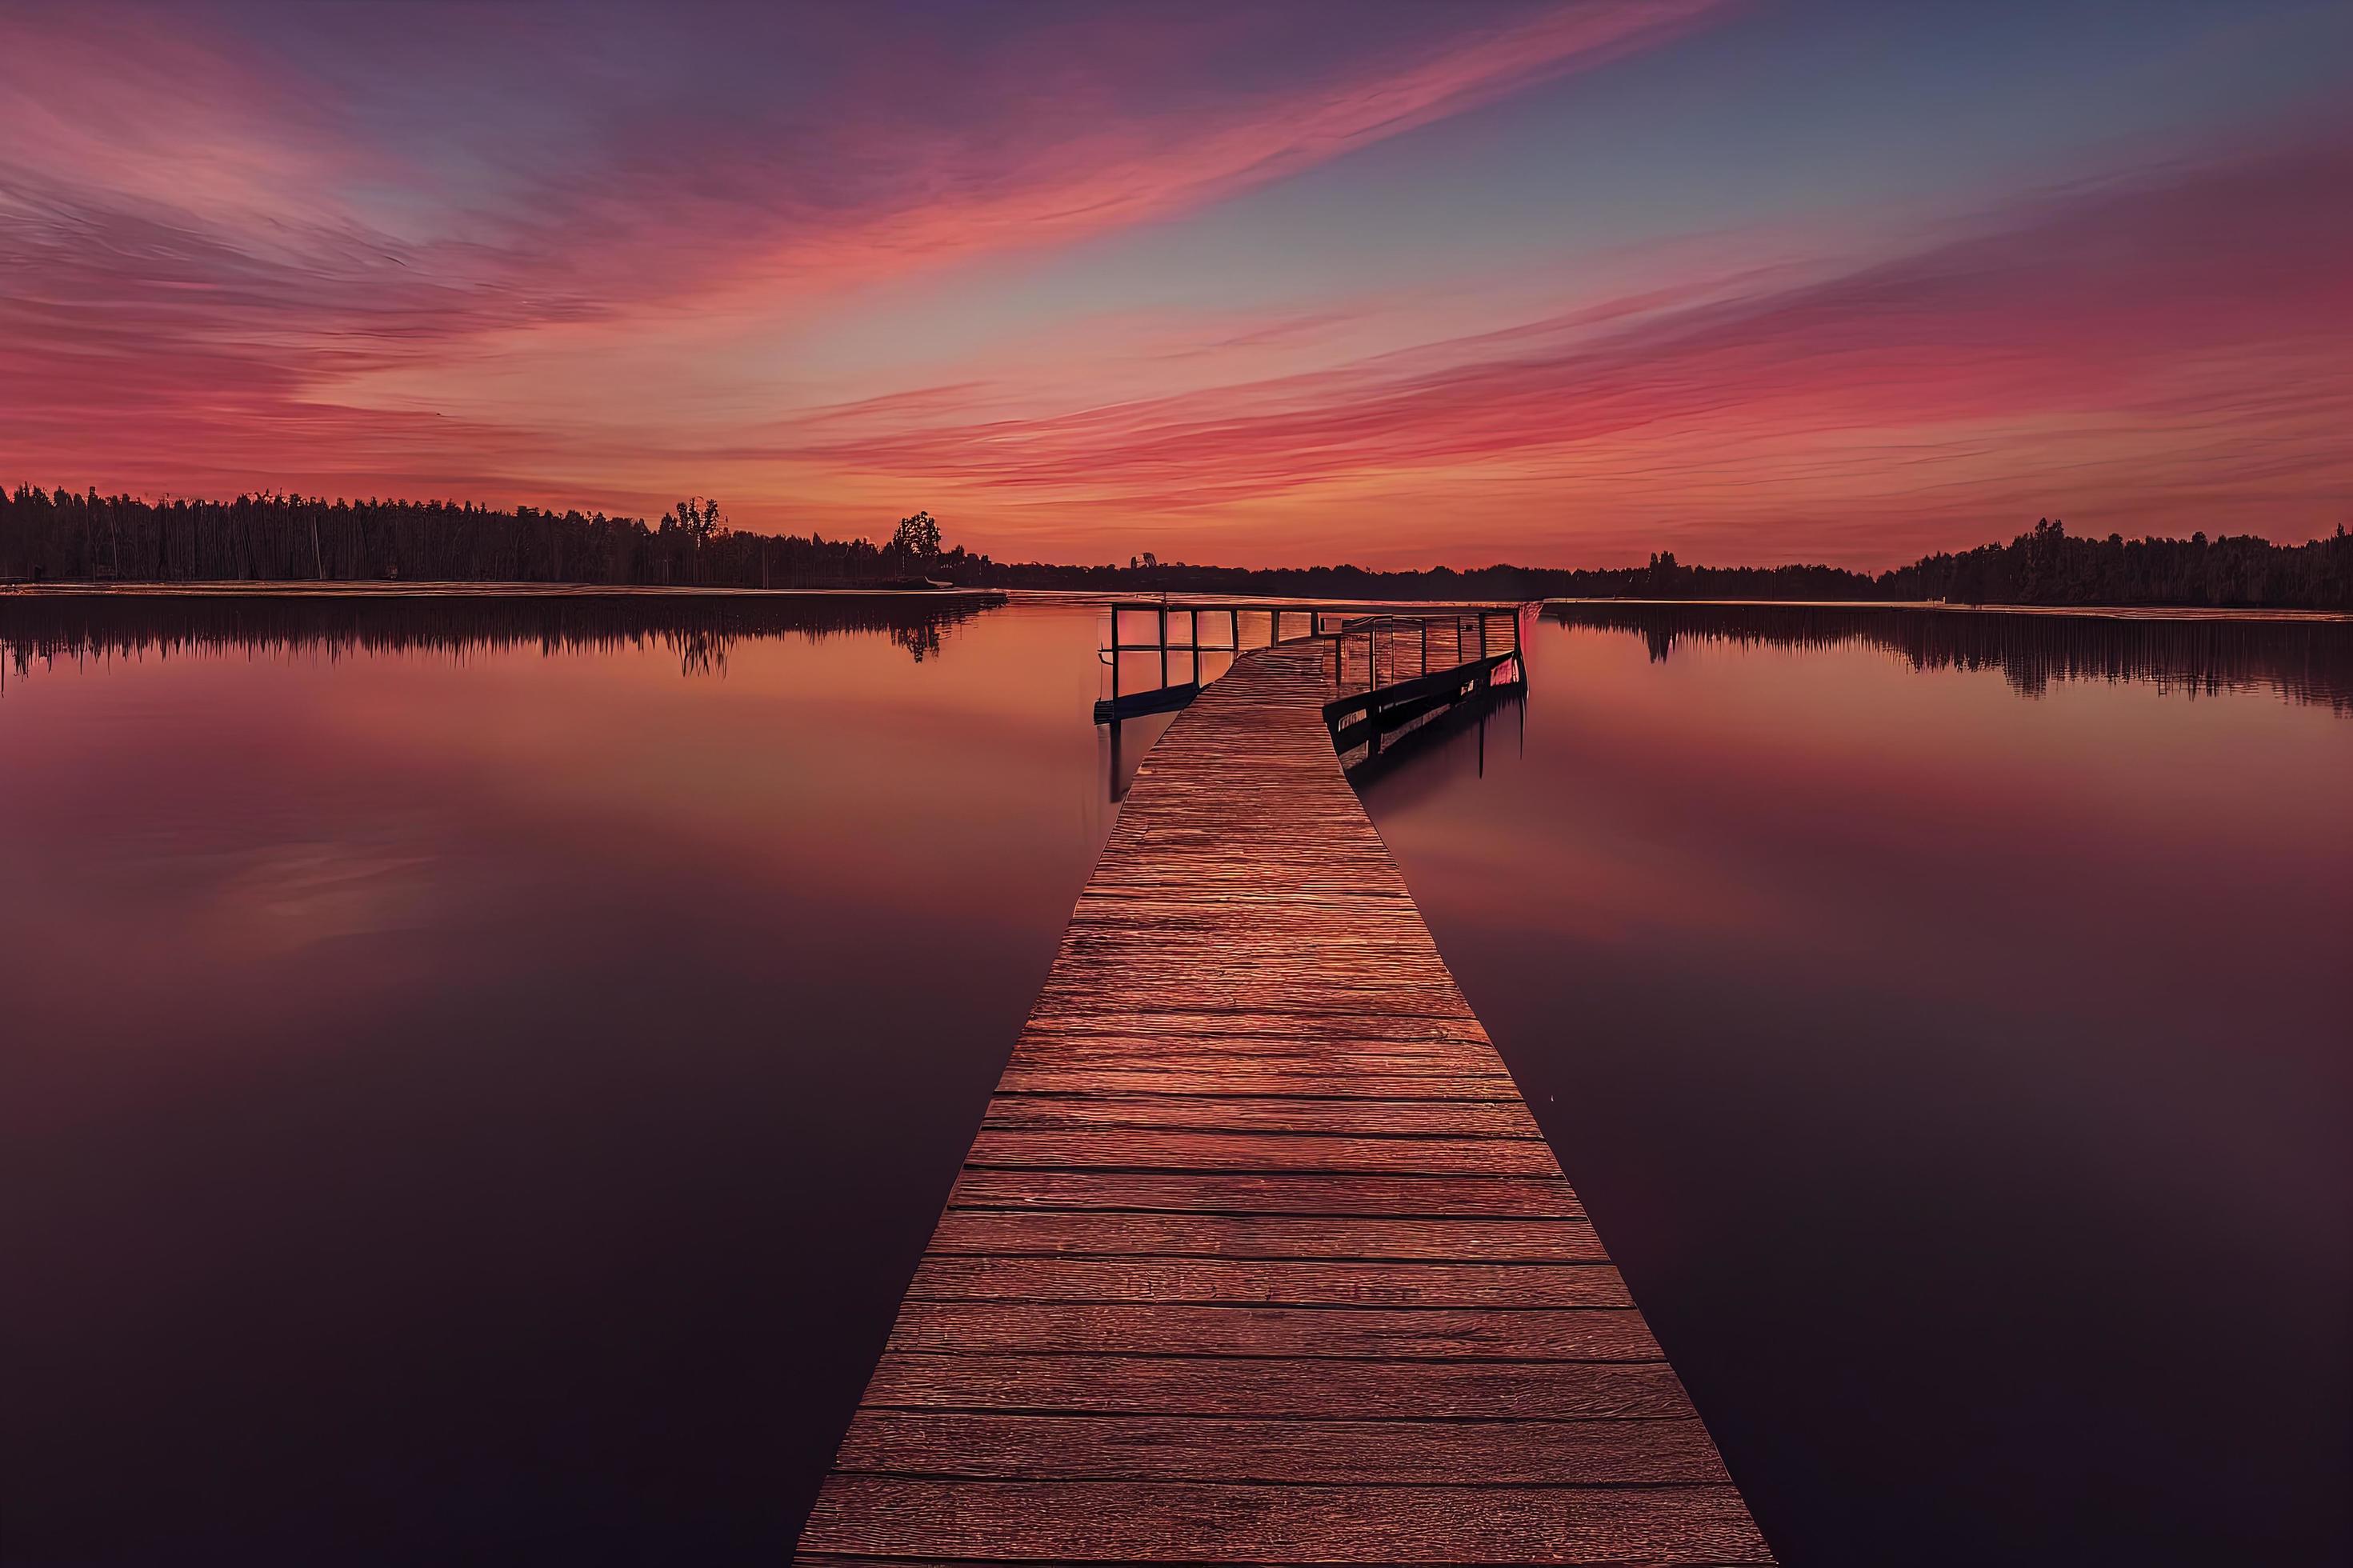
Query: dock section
point(1258, 1254)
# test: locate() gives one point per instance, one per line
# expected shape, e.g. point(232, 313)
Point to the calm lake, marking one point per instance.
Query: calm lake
point(478, 1075)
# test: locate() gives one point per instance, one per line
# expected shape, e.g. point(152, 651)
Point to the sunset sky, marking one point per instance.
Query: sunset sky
point(1400, 284)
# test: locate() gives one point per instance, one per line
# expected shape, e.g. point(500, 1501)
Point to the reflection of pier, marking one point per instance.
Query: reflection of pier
point(1258, 1255)
point(1389, 671)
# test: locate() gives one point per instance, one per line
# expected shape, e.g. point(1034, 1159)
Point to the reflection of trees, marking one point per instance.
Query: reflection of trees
point(700, 651)
point(921, 640)
point(700, 630)
point(2305, 660)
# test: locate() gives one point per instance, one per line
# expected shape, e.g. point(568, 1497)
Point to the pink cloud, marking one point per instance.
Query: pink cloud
point(212, 224)
point(221, 233)
point(2080, 329)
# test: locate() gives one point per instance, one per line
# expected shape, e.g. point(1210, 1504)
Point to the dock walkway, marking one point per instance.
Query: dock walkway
point(1258, 1254)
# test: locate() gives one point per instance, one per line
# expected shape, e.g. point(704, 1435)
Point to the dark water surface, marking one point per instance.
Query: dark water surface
point(478, 1076)
point(1949, 1020)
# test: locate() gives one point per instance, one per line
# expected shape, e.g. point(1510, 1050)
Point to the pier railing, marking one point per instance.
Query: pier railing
point(1415, 668)
point(1393, 670)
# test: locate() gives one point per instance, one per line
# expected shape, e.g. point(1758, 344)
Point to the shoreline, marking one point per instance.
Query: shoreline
point(2080, 612)
point(393, 589)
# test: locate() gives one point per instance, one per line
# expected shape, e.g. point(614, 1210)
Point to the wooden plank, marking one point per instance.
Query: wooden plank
point(1324, 1388)
point(1341, 1059)
point(1257, 1255)
point(1063, 1231)
point(1139, 1021)
point(1265, 1114)
point(1312, 1282)
point(992, 1446)
point(1334, 1064)
point(1170, 1522)
point(1146, 1075)
point(1127, 1150)
point(1568, 1334)
point(1329, 1192)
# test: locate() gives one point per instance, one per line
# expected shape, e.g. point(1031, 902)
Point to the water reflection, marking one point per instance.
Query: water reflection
point(2303, 659)
point(471, 1094)
point(1497, 715)
point(489, 1104)
point(700, 630)
point(1945, 1022)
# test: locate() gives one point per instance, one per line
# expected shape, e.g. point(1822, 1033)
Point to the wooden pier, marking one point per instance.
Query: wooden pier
point(1258, 1255)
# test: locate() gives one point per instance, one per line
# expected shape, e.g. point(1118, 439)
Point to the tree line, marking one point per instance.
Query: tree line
point(1499, 583)
point(2052, 566)
point(2046, 565)
point(61, 536)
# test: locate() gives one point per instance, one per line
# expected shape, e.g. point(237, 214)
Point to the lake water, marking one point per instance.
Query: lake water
point(477, 1077)
point(477, 1084)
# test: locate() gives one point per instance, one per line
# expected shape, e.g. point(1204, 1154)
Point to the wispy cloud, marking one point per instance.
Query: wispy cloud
point(218, 221)
point(569, 255)
point(2105, 320)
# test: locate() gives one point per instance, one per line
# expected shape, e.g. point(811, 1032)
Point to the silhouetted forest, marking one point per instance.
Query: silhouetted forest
point(2304, 660)
point(2044, 566)
point(2052, 566)
point(59, 536)
point(1500, 584)
point(44, 629)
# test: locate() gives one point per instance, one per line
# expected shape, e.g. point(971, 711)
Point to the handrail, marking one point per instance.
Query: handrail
point(1382, 706)
point(1362, 718)
point(1396, 692)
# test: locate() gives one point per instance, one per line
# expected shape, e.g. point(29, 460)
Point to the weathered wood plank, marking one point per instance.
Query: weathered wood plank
point(1568, 1334)
point(1127, 1150)
point(1331, 1060)
point(1315, 1282)
point(1268, 1114)
point(1171, 1521)
point(1065, 1232)
point(1137, 1018)
point(1159, 1076)
point(1223, 1448)
point(1327, 1387)
point(1334, 1063)
point(1299, 1192)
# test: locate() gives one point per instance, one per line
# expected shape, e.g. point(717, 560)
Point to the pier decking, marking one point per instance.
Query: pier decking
point(1258, 1255)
